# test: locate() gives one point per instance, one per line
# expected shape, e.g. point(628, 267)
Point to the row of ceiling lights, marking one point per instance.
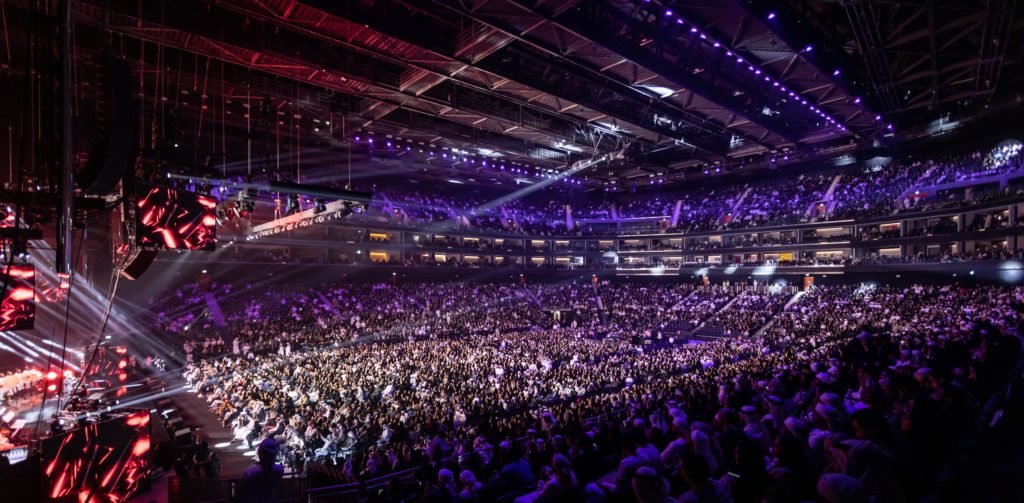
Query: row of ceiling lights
point(757, 71)
point(456, 156)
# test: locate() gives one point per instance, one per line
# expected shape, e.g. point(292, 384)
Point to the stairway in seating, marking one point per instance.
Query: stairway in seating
point(795, 298)
point(684, 299)
point(600, 306)
point(724, 308)
point(218, 318)
point(739, 202)
point(329, 304)
point(832, 188)
point(826, 198)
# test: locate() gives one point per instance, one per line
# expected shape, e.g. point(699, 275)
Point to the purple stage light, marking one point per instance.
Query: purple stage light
point(668, 13)
point(836, 72)
point(728, 53)
point(693, 30)
point(857, 100)
point(371, 140)
point(878, 117)
point(771, 15)
point(889, 127)
point(679, 21)
point(357, 138)
point(809, 48)
point(716, 44)
point(756, 72)
point(389, 144)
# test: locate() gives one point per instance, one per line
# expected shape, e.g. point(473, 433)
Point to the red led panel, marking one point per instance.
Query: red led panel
point(173, 219)
point(100, 462)
point(18, 309)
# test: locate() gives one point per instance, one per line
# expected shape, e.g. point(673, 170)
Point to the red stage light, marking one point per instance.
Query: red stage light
point(51, 375)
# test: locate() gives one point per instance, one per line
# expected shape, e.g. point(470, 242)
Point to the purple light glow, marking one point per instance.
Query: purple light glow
point(716, 44)
point(693, 30)
point(679, 21)
point(771, 15)
point(668, 13)
point(857, 100)
point(878, 117)
point(836, 72)
point(756, 72)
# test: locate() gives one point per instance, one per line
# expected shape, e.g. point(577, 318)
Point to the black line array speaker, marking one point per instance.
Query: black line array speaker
point(114, 148)
point(138, 264)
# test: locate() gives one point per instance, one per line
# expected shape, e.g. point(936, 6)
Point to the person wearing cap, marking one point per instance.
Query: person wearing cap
point(649, 487)
point(673, 453)
point(754, 429)
point(259, 482)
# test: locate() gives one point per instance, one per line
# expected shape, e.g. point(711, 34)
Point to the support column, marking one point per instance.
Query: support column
point(67, 194)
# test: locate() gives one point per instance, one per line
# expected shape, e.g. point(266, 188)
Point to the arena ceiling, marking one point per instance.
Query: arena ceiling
point(674, 86)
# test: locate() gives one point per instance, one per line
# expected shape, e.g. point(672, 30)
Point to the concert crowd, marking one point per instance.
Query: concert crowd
point(838, 393)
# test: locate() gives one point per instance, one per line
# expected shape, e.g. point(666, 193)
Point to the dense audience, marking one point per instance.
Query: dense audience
point(838, 393)
point(881, 189)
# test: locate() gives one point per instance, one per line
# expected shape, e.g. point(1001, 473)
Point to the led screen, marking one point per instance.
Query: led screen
point(99, 462)
point(173, 219)
point(18, 310)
